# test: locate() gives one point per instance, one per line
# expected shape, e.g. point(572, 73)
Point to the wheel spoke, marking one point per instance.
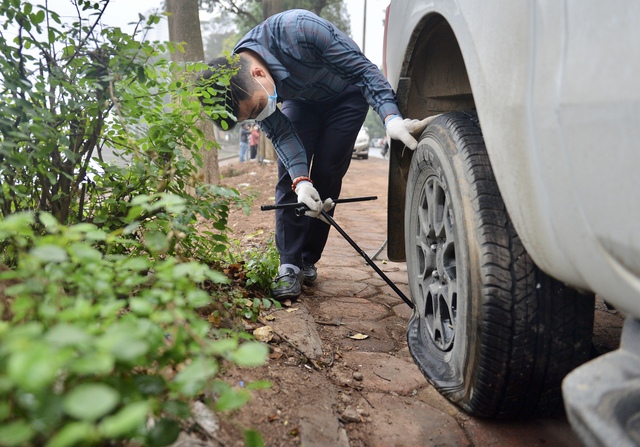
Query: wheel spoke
point(439, 198)
point(436, 272)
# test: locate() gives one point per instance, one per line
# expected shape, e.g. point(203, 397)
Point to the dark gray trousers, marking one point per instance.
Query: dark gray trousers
point(328, 131)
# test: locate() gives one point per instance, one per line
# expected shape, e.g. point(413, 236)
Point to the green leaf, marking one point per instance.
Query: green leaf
point(253, 439)
point(150, 385)
point(250, 354)
point(49, 253)
point(125, 421)
point(72, 434)
point(232, 399)
point(222, 347)
point(259, 385)
point(37, 17)
point(134, 213)
point(216, 276)
point(171, 202)
point(84, 253)
point(131, 350)
point(50, 222)
point(164, 432)
point(5, 410)
point(33, 368)
point(141, 306)
point(17, 223)
point(94, 362)
point(198, 298)
point(141, 75)
point(136, 264)
point(140, 199)
point(177, 408)
point(96, 235)
point(193, 378)
point(156, 241)
point(90, 401)
point(16, 433)
point(124, 342)
point(83, 227)
point(66, 335)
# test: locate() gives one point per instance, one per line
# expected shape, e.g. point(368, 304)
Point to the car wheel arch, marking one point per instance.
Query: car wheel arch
point(424, 90)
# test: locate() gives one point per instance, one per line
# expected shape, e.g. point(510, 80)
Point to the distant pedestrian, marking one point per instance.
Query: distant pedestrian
point(254, 140)
point(244, 141)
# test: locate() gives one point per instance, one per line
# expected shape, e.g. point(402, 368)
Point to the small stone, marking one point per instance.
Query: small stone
point(358, 376)
point(350, 415)
point(205, 418)
point(264, 334)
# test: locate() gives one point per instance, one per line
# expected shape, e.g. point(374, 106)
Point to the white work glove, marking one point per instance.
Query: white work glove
point(308, 195)
point(401, 129)
point(327, 205)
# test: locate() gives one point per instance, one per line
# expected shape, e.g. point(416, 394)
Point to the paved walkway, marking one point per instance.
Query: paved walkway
point(395, 401)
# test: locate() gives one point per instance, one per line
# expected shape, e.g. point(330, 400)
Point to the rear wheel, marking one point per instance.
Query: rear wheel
point(490, 330)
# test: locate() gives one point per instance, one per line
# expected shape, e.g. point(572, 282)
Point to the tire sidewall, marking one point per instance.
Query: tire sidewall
point(437, 155)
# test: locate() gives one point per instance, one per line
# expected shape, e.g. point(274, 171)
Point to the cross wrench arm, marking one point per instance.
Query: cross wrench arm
point(367, 258)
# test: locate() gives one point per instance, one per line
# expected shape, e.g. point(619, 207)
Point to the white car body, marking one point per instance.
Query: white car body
point(557, 89)
point(556, 86)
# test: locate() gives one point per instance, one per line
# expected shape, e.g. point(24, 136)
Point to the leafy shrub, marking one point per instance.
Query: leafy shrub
point(262, 264)
point(99, 342)
point(107, 263)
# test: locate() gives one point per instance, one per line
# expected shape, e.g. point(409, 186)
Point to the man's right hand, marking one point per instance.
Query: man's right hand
point(308, 195)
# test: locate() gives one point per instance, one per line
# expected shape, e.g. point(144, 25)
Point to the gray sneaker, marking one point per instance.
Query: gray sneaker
point(286, 284)
point(310, 273)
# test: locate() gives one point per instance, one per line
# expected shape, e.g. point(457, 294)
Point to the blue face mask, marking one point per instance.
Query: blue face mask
point(271, 106)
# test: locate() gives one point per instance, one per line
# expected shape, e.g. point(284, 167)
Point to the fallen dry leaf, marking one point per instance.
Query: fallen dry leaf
point(359, 336)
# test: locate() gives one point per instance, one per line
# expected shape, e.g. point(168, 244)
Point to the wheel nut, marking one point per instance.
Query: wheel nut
point(434, 247)
point(435, 274)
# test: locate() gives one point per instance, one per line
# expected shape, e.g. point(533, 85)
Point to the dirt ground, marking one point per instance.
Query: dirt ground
point(303, 389)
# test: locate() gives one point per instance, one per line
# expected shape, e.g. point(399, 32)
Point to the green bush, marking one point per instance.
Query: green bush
point(98, 343)
point(106, 263)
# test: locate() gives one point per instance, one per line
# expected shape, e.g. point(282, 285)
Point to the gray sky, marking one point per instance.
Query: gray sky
point(375, 30)
point(121, 12)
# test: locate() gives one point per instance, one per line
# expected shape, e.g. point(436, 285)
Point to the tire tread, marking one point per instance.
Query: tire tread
point(534, 330)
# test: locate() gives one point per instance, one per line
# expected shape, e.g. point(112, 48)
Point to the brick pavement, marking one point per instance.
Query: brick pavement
point(399, 407)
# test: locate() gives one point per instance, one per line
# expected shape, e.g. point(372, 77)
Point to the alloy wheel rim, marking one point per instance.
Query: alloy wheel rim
point(437, 298)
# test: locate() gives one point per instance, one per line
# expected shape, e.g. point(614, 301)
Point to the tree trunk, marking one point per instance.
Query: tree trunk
point(271, 7)
point(184, 26)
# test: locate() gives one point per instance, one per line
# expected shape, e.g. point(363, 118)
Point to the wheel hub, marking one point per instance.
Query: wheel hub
point(435, 247)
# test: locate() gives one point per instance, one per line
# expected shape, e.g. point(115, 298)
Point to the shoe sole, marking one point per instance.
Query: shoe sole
point(309, 281)
point(285, 296)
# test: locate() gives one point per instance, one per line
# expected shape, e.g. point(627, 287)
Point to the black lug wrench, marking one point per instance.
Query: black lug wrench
point(300, 209)
point(367, 258)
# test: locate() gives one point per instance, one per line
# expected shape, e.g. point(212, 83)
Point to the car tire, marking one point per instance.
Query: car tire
point(490, 331)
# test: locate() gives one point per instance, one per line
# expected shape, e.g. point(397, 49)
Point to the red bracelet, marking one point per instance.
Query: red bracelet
point(298, 180)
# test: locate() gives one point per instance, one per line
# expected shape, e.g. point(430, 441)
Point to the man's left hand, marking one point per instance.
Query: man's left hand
point(401, 129)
